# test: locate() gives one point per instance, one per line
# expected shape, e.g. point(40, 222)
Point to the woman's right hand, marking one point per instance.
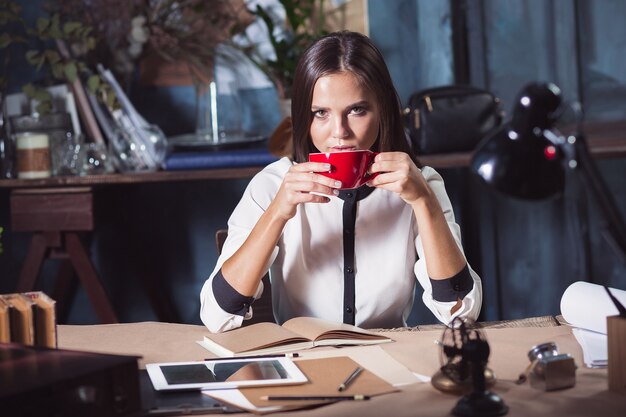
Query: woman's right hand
point(300, 184)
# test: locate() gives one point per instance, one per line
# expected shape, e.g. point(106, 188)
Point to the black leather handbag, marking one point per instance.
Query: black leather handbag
point(451, 118)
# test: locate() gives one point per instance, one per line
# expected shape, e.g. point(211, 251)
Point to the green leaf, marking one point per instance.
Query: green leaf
point(42, 24)
point(111, 100)
point(5, 40)
point(93, 82)
point(57, 71)
point(36, 93)
point(70, 27)
point(71, 72)
point(34, 57)
point(52, 56)
point(85, 32)
point(29, 89)
point(44, 107)
point(42, 95)
point(90, 42)
point(55, 27)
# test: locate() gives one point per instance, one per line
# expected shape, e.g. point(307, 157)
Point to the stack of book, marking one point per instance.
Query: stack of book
point(232, 158)
point(29, 319)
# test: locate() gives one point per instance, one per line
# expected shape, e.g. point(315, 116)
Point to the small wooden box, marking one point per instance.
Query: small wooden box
point(616, 332)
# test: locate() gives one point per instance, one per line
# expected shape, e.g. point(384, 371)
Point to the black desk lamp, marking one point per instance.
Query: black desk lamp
point(527, 157)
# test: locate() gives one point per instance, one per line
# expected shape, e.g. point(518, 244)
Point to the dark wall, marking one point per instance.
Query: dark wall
point(527, 253)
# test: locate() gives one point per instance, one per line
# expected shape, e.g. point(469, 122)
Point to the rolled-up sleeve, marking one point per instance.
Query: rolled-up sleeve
point(228, 298)
point(221, 307)
point(440, 296)
point(454, 288)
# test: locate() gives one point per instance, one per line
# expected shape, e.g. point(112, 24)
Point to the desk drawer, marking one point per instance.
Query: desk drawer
point(51, 212)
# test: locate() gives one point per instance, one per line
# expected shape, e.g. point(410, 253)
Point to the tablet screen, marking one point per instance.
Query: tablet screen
point(229, 373)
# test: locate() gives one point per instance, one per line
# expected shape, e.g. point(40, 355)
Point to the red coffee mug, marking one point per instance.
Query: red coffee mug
point(349, 167)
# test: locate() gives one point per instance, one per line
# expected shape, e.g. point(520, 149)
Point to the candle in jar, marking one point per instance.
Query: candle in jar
point(33, 155)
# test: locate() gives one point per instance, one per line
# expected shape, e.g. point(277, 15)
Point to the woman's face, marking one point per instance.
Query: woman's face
point(346, 115)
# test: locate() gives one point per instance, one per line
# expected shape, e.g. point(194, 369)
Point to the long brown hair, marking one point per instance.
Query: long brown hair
point(355, 53)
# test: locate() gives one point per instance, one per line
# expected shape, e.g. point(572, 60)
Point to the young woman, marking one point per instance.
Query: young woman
point(349, 256)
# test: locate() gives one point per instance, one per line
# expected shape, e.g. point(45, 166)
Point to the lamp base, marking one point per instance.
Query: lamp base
point(444, 383)
point(480, 404)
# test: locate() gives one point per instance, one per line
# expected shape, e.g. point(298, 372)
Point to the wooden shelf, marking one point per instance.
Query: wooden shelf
point(133, 178)
point(605, 139)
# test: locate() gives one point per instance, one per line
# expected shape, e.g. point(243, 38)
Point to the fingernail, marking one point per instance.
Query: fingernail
point(338, 184)
point(327, 167)
point(336, 192)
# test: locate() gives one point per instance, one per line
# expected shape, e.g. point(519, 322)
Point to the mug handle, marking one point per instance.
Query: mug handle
point(369, 176)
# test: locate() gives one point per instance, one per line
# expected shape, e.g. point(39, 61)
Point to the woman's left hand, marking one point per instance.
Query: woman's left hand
point(399, 174)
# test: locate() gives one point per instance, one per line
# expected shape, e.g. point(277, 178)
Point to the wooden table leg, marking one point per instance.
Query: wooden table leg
point(64, 290)
point(89, 278)
point(32, 263)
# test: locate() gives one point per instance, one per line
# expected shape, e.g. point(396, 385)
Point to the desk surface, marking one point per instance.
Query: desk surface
point(163, 342)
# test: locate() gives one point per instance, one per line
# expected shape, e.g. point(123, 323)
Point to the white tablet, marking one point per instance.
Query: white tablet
point(224, 373)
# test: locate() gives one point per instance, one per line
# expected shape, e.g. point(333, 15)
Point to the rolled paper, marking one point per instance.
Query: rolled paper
point(586, 305)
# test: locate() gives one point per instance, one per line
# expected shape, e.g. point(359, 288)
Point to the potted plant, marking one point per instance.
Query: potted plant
point(305, 21)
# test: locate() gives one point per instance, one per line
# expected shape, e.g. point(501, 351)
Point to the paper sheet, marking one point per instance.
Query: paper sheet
point(235, 397)
point(324, 374)
point(373, 358)
point(586, 305)
point(594, 345)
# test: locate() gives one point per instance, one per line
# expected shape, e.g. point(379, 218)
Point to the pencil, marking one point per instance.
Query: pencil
point(357, 397)
point(285, 355)
point(350, 379)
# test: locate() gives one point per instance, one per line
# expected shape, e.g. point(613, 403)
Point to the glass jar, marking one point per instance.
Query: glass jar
point(33, 155)
point(7, 156)
point(58, 128)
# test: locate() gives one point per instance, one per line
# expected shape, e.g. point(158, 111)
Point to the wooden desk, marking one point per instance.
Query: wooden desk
point(161, 342)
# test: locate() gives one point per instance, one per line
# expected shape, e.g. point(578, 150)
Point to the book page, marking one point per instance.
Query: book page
point(586, 305)
point(320, 329)
point(254, 337)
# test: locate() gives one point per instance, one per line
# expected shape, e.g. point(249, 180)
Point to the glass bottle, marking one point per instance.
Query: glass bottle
point(7, 151)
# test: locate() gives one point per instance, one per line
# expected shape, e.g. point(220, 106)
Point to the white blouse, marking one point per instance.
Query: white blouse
point(306, 266)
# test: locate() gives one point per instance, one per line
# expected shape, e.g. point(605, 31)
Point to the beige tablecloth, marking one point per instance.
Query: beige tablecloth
point(163, 342)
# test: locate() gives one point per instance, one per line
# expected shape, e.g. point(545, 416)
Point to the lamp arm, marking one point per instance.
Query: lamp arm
point(615, 233)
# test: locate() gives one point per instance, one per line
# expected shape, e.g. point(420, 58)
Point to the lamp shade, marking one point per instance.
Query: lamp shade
point(521, 159)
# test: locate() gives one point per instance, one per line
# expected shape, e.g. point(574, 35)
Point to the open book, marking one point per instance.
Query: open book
point(295, 334)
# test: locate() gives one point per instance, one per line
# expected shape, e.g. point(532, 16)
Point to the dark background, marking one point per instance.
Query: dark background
point(526, 253)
